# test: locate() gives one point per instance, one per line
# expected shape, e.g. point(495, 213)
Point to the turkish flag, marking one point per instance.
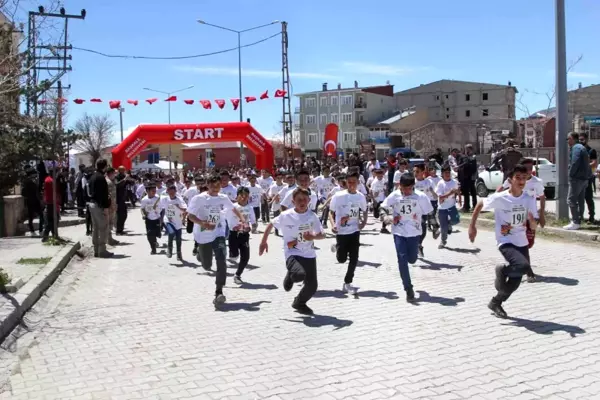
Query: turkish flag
point(151, 101)
point(172, 98)
point(133, 102)
point(188, 101)
point(265, 95)
point(280, 93)
point(206, 104)
point(94, 100)
point(250, 98)
point(79, 101)
point(220, 103)
point(236, 103)
point(113, 104)
point(330, 139)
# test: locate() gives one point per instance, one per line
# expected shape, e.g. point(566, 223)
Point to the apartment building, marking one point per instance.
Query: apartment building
point(352, 109)
point(450, 101)
point(10, 66)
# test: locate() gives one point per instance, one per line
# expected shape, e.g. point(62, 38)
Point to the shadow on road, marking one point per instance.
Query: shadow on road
point(318, 321)
point(544, 327)
point(425, 297)
point(368, 264)
point(234, 264)
point(337, 294)
point(463, 251)
point(561, 280)
point(377, 293)
point(258, 286)
point(120, 256)
point(241, 306)
point(434, 266)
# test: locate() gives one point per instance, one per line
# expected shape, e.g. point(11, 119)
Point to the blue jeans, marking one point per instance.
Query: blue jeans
point(447, 217)
point(406, 250)
point(174, 234)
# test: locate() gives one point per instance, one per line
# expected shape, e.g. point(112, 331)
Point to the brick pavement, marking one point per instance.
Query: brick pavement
point(144, 327)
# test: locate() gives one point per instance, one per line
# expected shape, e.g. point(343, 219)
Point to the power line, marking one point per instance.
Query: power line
point(175, 57)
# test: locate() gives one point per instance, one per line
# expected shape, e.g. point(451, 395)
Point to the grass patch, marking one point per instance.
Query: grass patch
point(35, 261)
point(5, 279)
point(52, 241)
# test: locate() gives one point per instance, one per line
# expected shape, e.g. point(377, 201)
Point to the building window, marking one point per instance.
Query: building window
point(447, 109)
point(323, 119)
point(467, 113)
point(323, 101)
point(311, 119)
point(334, 100)
point(311, 138)
point(467, 97)
point(346, 100)
point(347, 118)
point(334, 116)
point(437, 97)
point(447, 116)
point(484, 96)
point(485, 112)
point(310, 102)
point(349, 137)
point(446, 96)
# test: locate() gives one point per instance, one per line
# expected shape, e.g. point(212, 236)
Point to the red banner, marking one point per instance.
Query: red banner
point(330, 139)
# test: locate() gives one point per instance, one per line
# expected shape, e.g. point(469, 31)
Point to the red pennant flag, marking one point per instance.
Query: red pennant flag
point(42, 101)
point(172, 98)
point(280, 93)
point(150, 101)
point(79, 101)
point(206, 104)
point(113, 104)
point(188, 101)
point(236, 103)
point(250, 98)
point(94, 100)
point(265, 95)
point(220, 103)
point(132, 102)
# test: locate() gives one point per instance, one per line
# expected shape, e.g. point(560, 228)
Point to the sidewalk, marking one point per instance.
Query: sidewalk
point(70, 218)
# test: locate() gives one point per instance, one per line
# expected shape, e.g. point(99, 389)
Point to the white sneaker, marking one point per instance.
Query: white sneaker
point(348, 288)
point(572, 226)
point(219, 299)
point(333, 248)
point(238, 280)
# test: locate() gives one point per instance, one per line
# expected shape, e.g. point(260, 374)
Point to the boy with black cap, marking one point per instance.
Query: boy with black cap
point(152, 208)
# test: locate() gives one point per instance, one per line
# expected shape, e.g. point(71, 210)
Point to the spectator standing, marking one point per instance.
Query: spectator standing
point(467, 175)
point(32, 200)
point(507, 158)
point(112, 211)
point(122, 181)
point(391, 170)
point(99, 209)
point(53, 201)
point(589, 191)
point(80, 191)
point(437, 156)
point(580, 173)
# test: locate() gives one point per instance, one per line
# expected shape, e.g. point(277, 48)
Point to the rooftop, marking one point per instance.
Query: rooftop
point(385, 90)
point(396, 118)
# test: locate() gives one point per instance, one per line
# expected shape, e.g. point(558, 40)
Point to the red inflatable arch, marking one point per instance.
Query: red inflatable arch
point(243, 132)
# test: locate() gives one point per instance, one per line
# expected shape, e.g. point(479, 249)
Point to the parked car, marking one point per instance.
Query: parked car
point(491, 178)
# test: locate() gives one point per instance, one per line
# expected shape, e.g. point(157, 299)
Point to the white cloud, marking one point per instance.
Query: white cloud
point(583, 75)
point(379, 69)
point(258, 73)
point(126, 132)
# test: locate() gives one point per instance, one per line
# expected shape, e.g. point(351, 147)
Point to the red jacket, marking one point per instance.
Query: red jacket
point(48, 198)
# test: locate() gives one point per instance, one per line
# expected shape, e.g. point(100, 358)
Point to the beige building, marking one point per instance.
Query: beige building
point(10, 66)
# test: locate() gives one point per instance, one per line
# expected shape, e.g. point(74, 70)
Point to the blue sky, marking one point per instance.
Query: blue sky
point(334, 41)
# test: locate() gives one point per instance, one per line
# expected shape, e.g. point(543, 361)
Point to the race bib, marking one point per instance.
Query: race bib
point(518, 215)
point(405, 208)
point(303, 244)
point(171, 212)
point(354, 211)
point(213, 217)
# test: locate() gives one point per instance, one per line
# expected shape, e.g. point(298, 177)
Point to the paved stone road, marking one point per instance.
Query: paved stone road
point(143, 327)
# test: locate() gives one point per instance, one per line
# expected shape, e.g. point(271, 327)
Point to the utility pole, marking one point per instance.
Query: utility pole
point(121, 111)
point(562, 112)
point(286, 120)
point(59, 52)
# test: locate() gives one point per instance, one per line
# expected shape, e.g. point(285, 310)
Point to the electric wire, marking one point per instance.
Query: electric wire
point(175, 57)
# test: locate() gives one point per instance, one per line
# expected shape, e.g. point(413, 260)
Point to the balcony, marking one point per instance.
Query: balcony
point(360, 105)
point(296, 126)
point(297, 110)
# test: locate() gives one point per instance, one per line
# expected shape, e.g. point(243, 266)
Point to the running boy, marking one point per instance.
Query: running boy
point(256, 194)
point(303, 181)
point(447, 191)
point(512, 209)
point(299, 227)
point(346, 222)
point(239, 233)
point(407, 208)
point(175, 210)
point(152, 207)
point(205, 211)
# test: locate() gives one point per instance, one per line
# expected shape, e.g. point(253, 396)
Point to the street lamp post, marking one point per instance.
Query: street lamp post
point(562, 112)
point(239, 48)
point(121, 110)
point(169, 94)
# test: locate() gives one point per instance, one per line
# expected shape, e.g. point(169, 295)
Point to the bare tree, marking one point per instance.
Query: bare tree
point(96, 134)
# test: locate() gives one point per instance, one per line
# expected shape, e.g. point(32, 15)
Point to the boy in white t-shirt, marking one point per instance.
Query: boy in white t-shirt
point(426, 187)
point(152, 207)
point(512, 209)
point(300, 227)
point(407, 208)
point(346, 222)
point(265, 182)
point(206, 210)
point(256, 194)
point(435, 179)
point(175, 210)
point(274, 194)
point(447, 191)
point(239, 233)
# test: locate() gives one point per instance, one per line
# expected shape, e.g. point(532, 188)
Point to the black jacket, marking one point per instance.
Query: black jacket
point(99, 190)
point(467, 168)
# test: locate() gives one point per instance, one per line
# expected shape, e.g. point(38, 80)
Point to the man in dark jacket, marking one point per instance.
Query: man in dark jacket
point(99, 208)
point(122, 182)
point(467, 175)
point(80, 191)
point(589, 191)
point(32, 200)
point(580, 174)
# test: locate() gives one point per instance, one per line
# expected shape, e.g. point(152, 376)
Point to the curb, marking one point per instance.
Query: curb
point(23, 227)
point(549, 232)
point(12, 312)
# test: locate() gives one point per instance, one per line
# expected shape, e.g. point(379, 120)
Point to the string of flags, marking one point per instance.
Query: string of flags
point(206, 104)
